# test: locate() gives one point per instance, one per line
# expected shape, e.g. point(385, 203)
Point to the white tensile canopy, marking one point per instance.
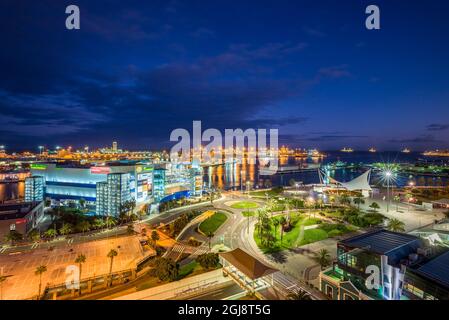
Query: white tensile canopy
point(359, 183)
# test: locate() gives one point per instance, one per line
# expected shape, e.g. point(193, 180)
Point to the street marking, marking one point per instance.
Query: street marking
point(35, 245)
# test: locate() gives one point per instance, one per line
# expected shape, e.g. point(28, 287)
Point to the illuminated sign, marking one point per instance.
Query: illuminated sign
point(20, 221)
point(38, 166)
point(147, 169)
point(100, 170)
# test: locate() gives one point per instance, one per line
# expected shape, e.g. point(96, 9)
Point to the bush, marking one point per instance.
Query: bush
point(165, 269)
point(334, 233)
point(208, 260)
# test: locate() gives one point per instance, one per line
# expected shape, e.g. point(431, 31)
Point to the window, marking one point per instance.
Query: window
point(329, 291)
point(347, 297)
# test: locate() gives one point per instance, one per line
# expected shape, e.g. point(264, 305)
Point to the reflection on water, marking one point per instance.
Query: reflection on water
point(12, 191)
point(237, 176)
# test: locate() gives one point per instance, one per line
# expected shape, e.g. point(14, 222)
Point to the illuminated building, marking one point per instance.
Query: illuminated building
point(428, 279)
point(21, 217)
point(114, 146)
point(147, 183)
point(34, 188)
point(112, 194)
point(381, 254)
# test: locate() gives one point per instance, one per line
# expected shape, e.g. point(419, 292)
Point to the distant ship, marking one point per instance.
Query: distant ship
point(437, 153)
point(348, 150)
point(373, 150)
point(300, 153)
point(406, 150)
point(314, 153)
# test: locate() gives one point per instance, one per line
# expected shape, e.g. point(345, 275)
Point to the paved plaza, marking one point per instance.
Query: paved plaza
point(22, 283)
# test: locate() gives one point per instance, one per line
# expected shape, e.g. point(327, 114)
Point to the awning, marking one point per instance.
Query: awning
point(247, 264)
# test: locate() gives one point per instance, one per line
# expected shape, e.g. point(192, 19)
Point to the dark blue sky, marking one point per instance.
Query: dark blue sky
point(138, 69)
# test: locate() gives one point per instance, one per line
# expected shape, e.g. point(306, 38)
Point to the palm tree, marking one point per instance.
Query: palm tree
point(374, 206)
point(112, 253)
point(299, 295)
point(155, 236)
point(39, 271)
point(283, 222)
point(323, 258)
point(110, 222)
point(396, 225)
point(276, 223)
point(51, 233)
point(66, 229)
point(80, 259)
point(358, 201)
point(210, 235)
point(98, 223)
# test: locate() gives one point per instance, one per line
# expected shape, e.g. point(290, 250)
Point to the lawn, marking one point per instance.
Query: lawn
point(248, 213)
point(188, 269)
point(245, 205)
point(297, 236)
point(211, 224)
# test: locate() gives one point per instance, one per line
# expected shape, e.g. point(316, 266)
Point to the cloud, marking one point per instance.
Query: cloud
point(437, 127)
point(314, 32)
point(203, 33)
point(419, 139)
point(335, 72)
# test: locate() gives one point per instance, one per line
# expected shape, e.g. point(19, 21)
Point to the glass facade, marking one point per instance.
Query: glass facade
point(112, 194)
point(34, 188)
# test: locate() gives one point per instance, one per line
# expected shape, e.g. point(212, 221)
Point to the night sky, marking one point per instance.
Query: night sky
point(138, 69)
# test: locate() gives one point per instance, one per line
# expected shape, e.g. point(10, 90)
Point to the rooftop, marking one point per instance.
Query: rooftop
point(383, 241)
point(247, 264)
point(437, 269)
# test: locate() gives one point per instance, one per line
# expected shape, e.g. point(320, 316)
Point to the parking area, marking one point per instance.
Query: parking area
point(22, 283)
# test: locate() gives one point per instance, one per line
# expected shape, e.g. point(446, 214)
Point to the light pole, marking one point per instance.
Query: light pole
point(388, 175)
point(40, 149)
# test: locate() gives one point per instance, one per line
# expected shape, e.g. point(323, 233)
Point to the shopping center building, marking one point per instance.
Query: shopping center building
point(107, 186)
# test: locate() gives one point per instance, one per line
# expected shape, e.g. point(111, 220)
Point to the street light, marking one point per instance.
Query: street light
point(40, 149)
point(388, 175)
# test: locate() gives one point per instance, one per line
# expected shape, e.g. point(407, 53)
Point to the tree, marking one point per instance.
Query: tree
point(80, 259)
point(358, 201)
point(51, 233)
point(13, 236)
point(83, 226)
point(34, 235)
point(345, 200)
point(130, 229)
point(67, 228)
point(208, 260)
point(299, 295)
point(98, 223)
point(39, 271)
point(323, 258)
point(110, 222)
point(210, 235)
point(283, 222)
point(165, 269)
point(276, 224)
point(155, 236)
point(396, 225)
point(397, 198)
point(111, 254)
point(374, 206)
point(82, 202)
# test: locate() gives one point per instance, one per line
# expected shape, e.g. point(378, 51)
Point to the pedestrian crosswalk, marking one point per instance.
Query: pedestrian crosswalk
point(287, 284)
point(3, 249)
point(70, 241)
point(35, 245)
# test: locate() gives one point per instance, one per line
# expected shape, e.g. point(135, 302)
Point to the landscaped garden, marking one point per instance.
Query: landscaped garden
point(279, 233)
point(211, 224)
point(245, 205)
